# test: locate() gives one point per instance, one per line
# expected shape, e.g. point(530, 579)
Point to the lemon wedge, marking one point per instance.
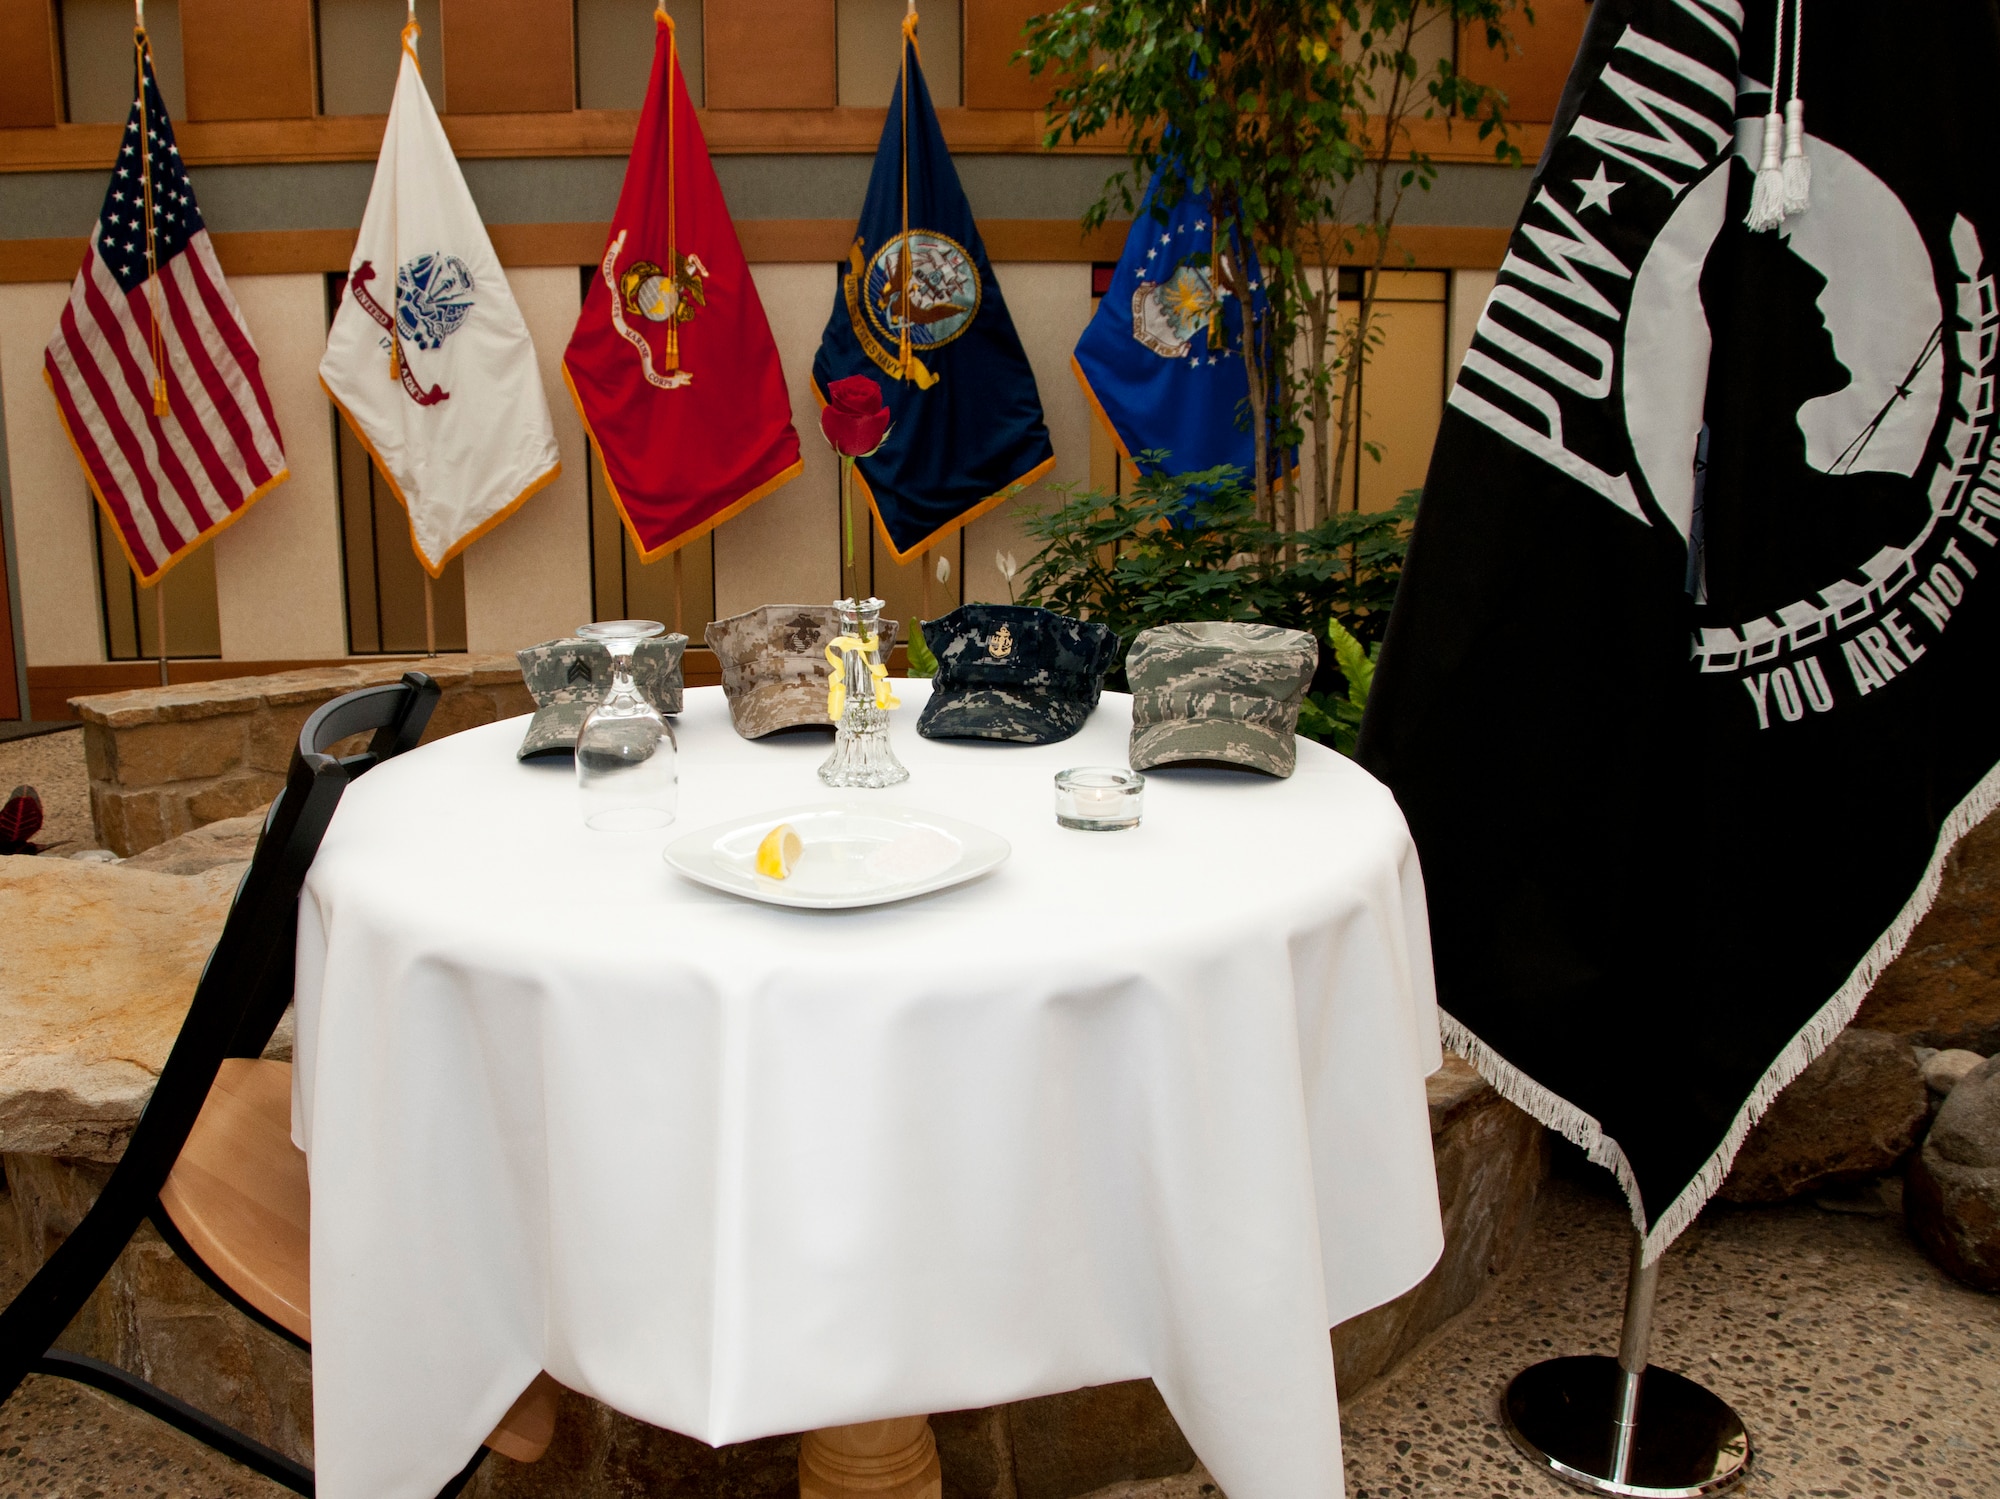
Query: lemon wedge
point(778, 852)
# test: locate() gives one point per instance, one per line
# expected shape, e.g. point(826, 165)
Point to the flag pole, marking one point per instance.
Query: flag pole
point(1584, 1418)
point(679, 577)
point(160, 622)
point(924, 562)
point(430, 616)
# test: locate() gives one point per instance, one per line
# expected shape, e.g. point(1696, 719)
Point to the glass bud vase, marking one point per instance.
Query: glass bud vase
point(860, 692)
point(626, 774)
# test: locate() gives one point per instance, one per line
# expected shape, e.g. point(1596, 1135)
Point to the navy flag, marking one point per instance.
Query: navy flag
point(918, 303)
point(1162, 358)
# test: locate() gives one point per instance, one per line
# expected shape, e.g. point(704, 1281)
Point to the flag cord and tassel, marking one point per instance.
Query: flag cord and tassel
point(157, 339)
point(1767, 195)
point(411, 31)
point(903, 256)
point(671, 358)
point(1798, 168)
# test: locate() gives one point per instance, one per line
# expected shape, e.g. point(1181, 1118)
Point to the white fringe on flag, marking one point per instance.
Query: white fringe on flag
point(1818, 1033)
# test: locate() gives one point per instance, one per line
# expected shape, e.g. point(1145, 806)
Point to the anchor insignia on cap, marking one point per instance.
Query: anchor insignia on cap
point(1001, 646)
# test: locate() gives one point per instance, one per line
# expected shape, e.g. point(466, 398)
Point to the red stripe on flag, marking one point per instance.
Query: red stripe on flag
point(222, 312)
point(227, 485)
point(105, 399)
point(85, 442)
point(136, 319)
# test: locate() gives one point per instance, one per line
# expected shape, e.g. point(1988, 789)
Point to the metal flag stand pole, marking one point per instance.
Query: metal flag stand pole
point(1585, 1421)
point(430, 617)
point(160, 622)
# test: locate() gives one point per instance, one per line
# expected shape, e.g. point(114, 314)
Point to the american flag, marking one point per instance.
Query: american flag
point(152, 364)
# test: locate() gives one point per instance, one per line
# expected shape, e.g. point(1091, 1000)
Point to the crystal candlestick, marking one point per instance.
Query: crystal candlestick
point(859, 700)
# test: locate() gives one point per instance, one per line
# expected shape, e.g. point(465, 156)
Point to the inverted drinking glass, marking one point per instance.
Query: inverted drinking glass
point(626, 771)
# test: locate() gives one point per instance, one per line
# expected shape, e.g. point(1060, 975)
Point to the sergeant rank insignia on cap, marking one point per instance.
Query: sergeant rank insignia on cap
point(570, 677)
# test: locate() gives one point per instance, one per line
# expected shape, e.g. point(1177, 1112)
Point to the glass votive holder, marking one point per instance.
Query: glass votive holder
point(1099, 798)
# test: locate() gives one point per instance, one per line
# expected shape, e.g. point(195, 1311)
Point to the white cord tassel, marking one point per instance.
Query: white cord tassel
point(1798, 168)
point(1767, 196)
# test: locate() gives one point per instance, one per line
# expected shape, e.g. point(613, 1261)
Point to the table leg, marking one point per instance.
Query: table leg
point(894, 1459)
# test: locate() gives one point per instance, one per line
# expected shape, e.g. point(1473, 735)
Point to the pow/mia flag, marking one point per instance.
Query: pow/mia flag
point(1689, 689)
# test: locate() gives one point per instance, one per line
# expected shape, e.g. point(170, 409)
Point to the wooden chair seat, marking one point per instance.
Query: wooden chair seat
point(238, 1194)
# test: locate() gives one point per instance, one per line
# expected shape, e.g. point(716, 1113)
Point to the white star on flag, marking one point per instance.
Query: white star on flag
point(1597, 191)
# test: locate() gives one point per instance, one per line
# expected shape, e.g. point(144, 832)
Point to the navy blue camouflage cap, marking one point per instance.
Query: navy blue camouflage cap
point(1007, 671)
point(570, 677)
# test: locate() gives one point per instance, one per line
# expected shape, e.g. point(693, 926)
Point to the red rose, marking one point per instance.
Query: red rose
point(854, 420)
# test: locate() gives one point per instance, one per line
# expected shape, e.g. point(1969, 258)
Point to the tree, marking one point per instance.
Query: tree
point(1295, 119)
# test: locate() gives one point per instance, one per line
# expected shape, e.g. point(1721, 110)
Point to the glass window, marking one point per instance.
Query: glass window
point(614, 51)
point(97, 58)
point(358, 45)
point(867, 54)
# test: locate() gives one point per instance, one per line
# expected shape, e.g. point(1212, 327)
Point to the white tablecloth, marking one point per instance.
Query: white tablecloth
point(1136, 1103)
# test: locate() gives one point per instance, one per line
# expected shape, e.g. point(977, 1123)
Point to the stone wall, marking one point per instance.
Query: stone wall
point(165, 760)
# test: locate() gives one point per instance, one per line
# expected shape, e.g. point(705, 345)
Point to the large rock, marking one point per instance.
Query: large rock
point(215, 845)
point(1953, 1194)
point(100, 963)
point(1855, 1112)
point(1944, 991)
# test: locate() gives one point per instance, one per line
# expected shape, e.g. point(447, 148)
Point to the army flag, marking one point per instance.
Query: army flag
point(1161, 360)
point(1688, 692)
point(428, 358)
point(672, 363)
point(154, 374)
point(918, 303)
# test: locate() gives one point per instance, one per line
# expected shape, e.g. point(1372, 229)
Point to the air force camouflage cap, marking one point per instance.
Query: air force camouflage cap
point(570, 677)
point(1006, 671)
point(1219, 691)
point(774, 666)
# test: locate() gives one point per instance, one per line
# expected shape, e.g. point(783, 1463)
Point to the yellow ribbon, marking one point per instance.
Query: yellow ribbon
point(836, 685)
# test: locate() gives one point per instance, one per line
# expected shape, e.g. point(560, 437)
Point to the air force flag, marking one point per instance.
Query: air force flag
point(428, 358)
point(919, 305)
point(1162, 358)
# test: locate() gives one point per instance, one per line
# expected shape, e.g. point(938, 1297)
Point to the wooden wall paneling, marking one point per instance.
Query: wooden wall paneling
point(769, 54)
point(1534, 76)
point(992, 36)
point(509, 56)
point(248, 59)
point(30, 77)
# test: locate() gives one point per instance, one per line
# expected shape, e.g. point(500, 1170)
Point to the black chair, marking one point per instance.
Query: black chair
point(211, 1161)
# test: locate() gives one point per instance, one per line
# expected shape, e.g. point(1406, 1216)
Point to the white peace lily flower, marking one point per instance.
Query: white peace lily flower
point(1007, 565)
point(943, 570)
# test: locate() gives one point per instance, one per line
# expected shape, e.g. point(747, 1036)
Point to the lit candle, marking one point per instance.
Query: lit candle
point(1099, 798)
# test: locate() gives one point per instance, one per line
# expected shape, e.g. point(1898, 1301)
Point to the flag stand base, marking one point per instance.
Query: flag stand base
point(1621, 1426)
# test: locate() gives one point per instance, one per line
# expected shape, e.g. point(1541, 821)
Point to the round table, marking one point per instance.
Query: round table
point(1143, 1103)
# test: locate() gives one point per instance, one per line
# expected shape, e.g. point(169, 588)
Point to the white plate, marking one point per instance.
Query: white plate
point(854, 855)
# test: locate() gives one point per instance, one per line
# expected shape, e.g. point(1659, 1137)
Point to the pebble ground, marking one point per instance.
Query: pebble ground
point(1862, 1371)
point(53, 765)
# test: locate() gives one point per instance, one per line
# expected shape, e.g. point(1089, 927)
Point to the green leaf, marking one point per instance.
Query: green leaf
point(1353, 661)
point(922, 662)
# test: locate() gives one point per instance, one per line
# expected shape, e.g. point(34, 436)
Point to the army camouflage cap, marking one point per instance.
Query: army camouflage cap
point(570, 677)
point(1006, 671)
point(1219, 691)
point(774, 666)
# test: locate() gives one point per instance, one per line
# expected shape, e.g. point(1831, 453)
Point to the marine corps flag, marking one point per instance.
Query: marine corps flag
point(428, 358)
point(1688, 692)
point(672, 363)
point(919, 304)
